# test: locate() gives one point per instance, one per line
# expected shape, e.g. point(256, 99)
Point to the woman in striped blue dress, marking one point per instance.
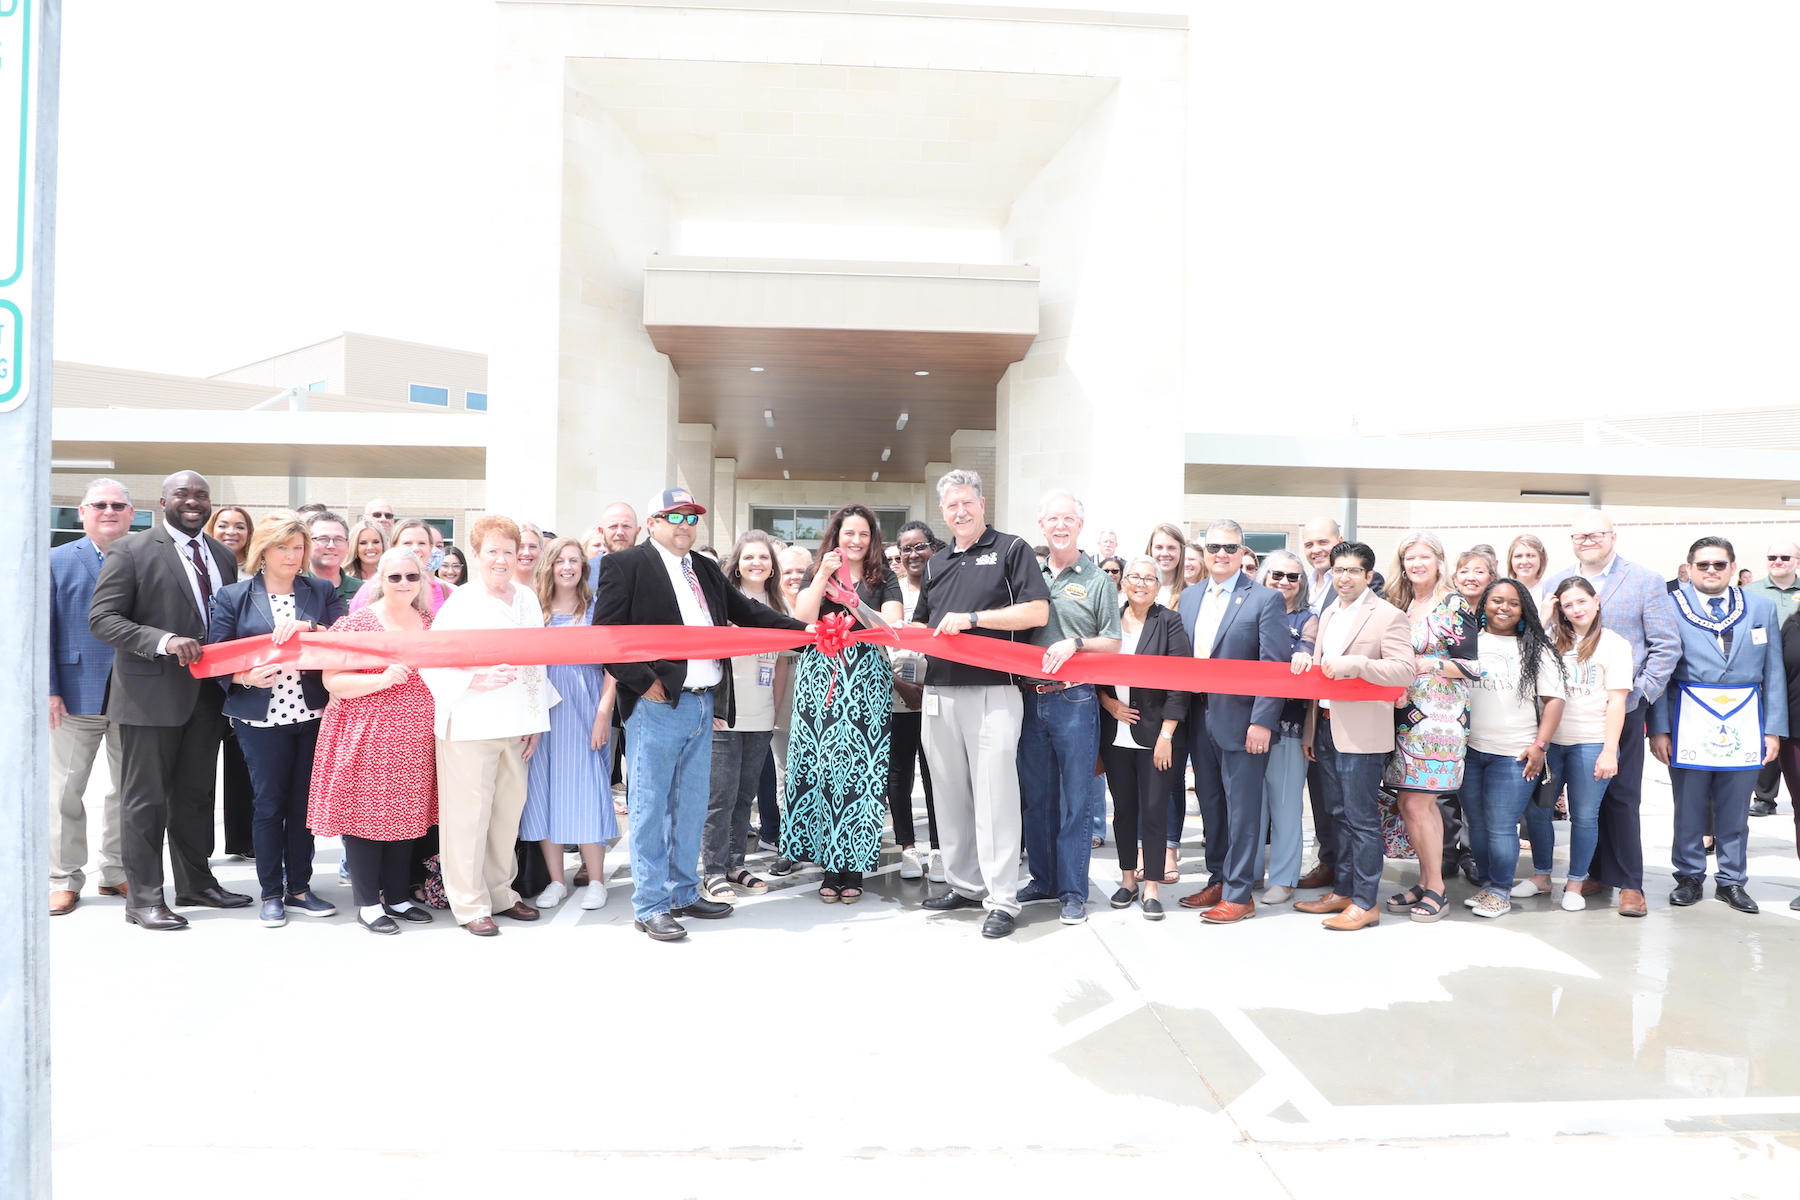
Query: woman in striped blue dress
point(569, 793)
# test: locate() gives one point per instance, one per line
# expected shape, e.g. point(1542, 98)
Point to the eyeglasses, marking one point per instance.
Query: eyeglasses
point(1712, 566)
point(916, 548)
point(1590, 539)
point(1284, 576)
point(331, 541)
point(410, 577)
point(1146, 580)
point(680, 518)
point(1347, 572)
point(1223, 547)
point(1781, 558)
point(108, 506)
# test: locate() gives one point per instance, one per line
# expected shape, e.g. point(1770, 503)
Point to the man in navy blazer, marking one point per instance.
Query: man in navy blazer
point(79, 666)
point(1730, 648)
point(1231, 616)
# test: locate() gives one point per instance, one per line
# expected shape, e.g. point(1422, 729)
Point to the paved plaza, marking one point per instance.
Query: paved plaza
point(880, 1050)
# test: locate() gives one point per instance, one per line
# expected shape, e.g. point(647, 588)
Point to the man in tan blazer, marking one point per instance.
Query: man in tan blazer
point(1361, 636)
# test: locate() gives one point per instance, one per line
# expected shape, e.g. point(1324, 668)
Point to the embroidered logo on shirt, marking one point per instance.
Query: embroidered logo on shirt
point(988, 559)
point(1074, 591)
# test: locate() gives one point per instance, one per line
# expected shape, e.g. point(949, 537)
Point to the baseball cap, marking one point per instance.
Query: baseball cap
point(670, 499)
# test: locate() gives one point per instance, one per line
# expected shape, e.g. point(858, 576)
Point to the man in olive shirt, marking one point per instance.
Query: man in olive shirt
point(1060, 737)
point(1782, 587)
point(984, 584)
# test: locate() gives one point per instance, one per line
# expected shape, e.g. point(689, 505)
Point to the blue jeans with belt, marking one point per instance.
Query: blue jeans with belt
point(1058, 743)
point(671, 778)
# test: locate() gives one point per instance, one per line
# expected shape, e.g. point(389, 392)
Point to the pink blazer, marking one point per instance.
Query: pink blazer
point(1380, 650)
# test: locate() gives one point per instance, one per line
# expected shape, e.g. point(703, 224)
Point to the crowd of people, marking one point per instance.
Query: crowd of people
point(1526, 695)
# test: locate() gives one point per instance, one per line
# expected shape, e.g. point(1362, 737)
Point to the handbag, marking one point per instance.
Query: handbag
point(1549, 787)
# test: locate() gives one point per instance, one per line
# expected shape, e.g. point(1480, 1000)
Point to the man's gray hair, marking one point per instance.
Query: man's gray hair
point(101, 484)
point(323, 515)
point(1237, 531)
point(1055, 494)
point(958, 478)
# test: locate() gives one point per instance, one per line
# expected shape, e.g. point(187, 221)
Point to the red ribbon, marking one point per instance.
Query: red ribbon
point(578, 644)
point(834, 639)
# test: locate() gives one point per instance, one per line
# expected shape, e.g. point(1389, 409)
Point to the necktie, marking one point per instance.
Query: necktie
point(687, 569)
point(205, 576)
point(1717, 604)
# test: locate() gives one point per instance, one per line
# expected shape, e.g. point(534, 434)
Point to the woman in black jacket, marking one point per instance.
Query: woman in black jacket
point(1789, 757)
point(1139, 729)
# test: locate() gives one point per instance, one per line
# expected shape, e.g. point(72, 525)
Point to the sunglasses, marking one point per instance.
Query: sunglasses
point(681, 518)
point(1712, 566)
point(1781, 558)
point(409, 577)
point(1113, 571)
point(380, 516)
point(121, 506)
point(1223, 547)
point(1284, 576)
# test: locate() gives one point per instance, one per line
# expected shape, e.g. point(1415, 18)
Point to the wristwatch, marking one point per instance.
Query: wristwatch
point(1080, 643)
point(974, 619)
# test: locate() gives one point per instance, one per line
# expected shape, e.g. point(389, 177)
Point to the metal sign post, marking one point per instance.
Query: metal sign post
point(30, 37)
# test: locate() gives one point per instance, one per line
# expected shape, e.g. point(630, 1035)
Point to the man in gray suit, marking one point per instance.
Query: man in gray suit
point(151, 605)
point(1720, 721)
point(1231, 616)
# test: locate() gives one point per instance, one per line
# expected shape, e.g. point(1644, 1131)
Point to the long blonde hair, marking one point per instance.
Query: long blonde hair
point(1181, 541)
point(546, 579)
point(354, 565)
point(1399, 588)
point(274, 529)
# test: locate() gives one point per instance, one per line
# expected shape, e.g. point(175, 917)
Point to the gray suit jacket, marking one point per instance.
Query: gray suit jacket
point(142, 594)
point(1635, 605)
point(1748, 662)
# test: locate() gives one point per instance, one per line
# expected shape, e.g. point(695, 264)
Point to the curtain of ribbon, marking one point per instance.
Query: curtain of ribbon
point(648, 643)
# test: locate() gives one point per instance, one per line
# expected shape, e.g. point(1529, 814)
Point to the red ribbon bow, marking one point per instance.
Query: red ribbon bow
point(834, 630)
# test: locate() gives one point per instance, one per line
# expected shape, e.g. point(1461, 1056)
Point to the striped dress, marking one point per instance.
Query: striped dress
point(569, 793)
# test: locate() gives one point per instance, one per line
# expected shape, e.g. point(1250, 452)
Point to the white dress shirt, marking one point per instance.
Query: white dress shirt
point(1336, 637)
point(1598, 578)
point(519, 709)
point(701, 672)
point(182, 544)
point(1212, 612)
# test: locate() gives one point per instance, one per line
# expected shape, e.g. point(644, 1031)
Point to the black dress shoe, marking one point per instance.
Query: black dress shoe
point(1762, 808)
point(1467, 865)
point(998, 924)
point(706, 910)
point(1687, 891)
point(662, 927)
point(157, 917)
point(1794, 904)
point(1735, 896)
point(418, 914)
point(381, 924)
point(949, 901)
point(212, 897)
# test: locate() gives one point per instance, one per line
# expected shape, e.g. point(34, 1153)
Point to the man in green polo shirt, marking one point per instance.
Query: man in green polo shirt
point(1781, 585)
point(1060, 736)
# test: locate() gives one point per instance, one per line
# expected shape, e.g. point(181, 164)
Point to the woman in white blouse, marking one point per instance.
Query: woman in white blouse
point(487, 724)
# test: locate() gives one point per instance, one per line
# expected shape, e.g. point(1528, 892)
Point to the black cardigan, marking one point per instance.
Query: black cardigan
point(1162, 634)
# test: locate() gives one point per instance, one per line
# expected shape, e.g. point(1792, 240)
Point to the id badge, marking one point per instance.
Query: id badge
point(765, 674)
point(1759, 636)
point(931, 703)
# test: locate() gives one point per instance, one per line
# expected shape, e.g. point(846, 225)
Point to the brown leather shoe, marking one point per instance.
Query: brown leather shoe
point(1317, 877)
point(1206, 897)
point(1587, 887)
point(1631, 903)
point(1330, 902)
point(483, 927)
point(1226, 912)
point(156, 917)
point(63, 902)
point(107, 889)
point(1353, 918)
point(520, 911)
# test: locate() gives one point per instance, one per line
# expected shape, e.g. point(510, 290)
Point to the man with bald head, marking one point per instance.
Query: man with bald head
point(151, 604)
point(618, 531)
point(1634, 604)
point(1782, 586)
point(382, 513)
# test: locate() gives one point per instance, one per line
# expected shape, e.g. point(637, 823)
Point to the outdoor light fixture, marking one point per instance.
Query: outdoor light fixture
point(756, 368)
point(778, 453)
point(785, 475)
point(1529, 494)
point(886, 451)
point(901, 423)
point(874, 475)
point(1795, 500)
point(81, 464)
point(921, 372)
point(768, 414)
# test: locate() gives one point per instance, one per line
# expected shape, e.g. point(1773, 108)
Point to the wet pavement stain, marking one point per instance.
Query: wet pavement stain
point(1178, 1056)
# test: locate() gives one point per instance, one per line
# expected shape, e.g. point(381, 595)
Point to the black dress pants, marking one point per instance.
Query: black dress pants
point(238, 802)
point(904, 748)
point(380, 870)
point(1140, 795)
point(1619, 857)
point(169, 786)
point(1323, 836)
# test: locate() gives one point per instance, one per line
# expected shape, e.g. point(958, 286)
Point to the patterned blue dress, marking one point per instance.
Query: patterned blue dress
point(568, 795)
point(837, 757)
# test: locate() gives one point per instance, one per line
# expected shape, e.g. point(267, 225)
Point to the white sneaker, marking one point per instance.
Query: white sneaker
point(593, 896)
point(1573, 901)
point(935, 871)
point(1528, 887)
point(1493, 904)
point(551, 896)
point(910, 866)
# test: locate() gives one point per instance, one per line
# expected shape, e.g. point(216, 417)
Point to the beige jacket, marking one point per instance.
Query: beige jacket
point(1380, 650)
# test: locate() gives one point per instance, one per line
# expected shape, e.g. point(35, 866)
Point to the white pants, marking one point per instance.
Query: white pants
point(74, 745)
point(972, 747)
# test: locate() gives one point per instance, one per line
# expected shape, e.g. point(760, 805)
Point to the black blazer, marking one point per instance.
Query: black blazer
point(635, 589)
point(1163, 633)
point(1790, 658)
point(242, 610)
point(143, 593)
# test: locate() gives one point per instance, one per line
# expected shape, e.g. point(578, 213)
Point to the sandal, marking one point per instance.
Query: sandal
point(850, 893)
point(717, 888)
point(748, 882)
point(1401, 901)
point(828, 892)
point(1172, 877)
point(1430, 907)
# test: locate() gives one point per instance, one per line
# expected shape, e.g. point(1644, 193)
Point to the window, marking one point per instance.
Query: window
point(1262, 543)
point(65, 523)
point(444, 525)
point(806, 526)
point(420, 393)
point(475, 401)
point(317, 385)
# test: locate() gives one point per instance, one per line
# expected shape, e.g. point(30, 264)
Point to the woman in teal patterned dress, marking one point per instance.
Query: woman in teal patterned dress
point(1432, 722)
point(837, 757)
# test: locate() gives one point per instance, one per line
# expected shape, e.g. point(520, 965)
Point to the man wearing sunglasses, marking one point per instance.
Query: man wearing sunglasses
point(1719, 722)
point(668, 706)
point(382, 513)
point(1231, 616)
point(79, 665)
point(1782, 586)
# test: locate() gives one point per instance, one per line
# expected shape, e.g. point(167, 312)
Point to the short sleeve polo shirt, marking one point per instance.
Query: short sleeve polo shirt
point(998, 571)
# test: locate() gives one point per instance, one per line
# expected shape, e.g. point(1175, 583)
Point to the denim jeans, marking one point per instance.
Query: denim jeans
point(1097, 805)
point(1495, 795)
point(671, 776)
point(1283, 782)
point(737, 767)
point(1351, 787)
point(280, 758)
point(1058, 742)
point(1574, 765)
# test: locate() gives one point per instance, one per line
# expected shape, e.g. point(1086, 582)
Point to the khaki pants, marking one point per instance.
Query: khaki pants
point(481, 792)
point(972, 748)
point(73, 748)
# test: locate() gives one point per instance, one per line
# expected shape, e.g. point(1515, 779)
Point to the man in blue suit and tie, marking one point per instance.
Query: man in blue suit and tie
point(1231, 616)
point(79, 666)
point(1720, 721)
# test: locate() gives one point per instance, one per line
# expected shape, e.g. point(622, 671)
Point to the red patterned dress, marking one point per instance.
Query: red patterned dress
point(375, 771)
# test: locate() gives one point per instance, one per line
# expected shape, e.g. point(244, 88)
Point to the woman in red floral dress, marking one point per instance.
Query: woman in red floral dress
point(375, 772)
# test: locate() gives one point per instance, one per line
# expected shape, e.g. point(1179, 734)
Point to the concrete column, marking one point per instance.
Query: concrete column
point(694, 471)
point(724, 504)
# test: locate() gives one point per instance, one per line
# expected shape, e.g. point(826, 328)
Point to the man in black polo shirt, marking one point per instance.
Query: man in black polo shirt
point(987, 584)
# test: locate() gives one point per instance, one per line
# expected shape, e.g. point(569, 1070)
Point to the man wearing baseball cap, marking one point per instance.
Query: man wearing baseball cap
point(668, 705)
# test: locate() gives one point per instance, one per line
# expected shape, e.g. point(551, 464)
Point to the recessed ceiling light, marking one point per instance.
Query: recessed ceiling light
point(921, 372)
point(1533, 494)
point(874, 475)
point(778, 452)
point(1794, 500)
point(769, 417)
point(886, 451)
point(785, 475)
point(81, 464)
point(901, 423)
point(756, 368)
